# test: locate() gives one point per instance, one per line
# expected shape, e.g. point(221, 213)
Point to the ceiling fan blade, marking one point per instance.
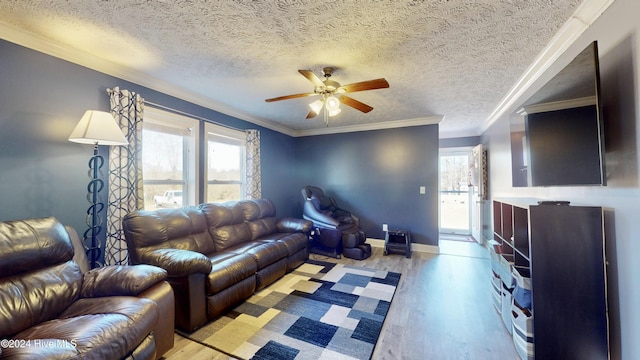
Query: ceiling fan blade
point(311, 114)
point(312, 77)
point(364, 85)
point(286, 97)
point(355, 104)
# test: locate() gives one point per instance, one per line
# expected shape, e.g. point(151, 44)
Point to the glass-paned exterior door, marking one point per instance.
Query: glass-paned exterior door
point(455, 195)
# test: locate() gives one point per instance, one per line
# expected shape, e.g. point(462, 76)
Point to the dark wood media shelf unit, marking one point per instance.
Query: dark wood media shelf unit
point(511, 230)
point(562, 249)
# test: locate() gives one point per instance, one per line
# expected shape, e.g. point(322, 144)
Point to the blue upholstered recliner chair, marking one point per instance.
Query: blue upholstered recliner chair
point(335, 230)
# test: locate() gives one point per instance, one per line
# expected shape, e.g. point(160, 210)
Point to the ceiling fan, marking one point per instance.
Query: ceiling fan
point(332, 93)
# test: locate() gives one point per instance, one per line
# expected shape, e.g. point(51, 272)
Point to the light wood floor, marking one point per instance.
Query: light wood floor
point(442, 309)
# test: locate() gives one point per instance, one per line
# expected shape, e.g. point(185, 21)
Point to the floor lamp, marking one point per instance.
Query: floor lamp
point(97, 128)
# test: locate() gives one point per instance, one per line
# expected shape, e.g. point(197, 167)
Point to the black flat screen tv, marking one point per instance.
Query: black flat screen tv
point(562, 140)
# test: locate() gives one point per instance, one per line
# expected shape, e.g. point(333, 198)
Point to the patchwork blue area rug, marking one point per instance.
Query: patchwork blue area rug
point(319, 311)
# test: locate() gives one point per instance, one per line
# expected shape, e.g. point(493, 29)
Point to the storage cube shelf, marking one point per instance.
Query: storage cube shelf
point(553, 255)
point(511, 230)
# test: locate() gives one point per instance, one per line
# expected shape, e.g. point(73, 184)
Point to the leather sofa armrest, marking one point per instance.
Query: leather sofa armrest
point(162, 294)
point(178, 262)
point(121, 280)
point(294, 225)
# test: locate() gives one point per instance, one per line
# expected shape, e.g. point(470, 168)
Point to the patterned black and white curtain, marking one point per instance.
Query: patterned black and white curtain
point(253, 178)
point(125, 172)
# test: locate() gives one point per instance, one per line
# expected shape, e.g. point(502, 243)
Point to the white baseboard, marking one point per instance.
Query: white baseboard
point(431, 249)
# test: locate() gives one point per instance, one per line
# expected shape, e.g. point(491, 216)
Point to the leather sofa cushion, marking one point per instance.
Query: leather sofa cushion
point(257, 209)
point(183, 228)
point(263, 253)
point(226, 225)
point(260, 216)
point(226, 237)
point(294, 242)
point(261, 227)
point(27, 245)
point(229, 268)
point(98, 328)
point(222, 214)
point(30, 298)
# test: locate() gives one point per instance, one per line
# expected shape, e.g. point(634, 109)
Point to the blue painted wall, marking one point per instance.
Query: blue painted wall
point(377, 176)
point(468, 141)
point(43, 174)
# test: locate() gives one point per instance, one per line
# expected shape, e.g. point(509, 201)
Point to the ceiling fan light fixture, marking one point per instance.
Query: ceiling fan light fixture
point(334, 112)
point(332, 103)
point(331, 85)
point(328, 89)
point(316, 106)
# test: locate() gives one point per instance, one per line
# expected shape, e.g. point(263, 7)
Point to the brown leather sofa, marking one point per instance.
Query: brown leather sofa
point(53, 307)
point(216, 255)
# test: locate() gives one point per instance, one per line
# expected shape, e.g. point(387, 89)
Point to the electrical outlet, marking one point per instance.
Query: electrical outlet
point(385, 227)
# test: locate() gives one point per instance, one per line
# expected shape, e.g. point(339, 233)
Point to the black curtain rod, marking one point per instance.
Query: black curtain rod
point(180, 112)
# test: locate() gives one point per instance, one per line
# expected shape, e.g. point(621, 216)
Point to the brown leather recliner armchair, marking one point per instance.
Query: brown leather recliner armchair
point(50, 308)
point(336, 230)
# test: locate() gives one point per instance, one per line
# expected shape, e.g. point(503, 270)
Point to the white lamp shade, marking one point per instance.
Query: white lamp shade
point(316, 106)
point(334, 112)
point(98, 128)
point(332, 103)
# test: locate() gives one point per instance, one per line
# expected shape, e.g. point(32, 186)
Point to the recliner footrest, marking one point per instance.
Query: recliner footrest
point(353, 245)
point(361, 252)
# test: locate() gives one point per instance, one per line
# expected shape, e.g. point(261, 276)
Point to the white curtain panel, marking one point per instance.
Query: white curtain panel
point(125, 172)
point(253, 178)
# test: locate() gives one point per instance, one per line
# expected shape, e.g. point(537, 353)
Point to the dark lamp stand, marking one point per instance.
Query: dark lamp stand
point(93, 246)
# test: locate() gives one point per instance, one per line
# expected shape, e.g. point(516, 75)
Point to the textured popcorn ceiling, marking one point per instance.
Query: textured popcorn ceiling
point(454, 58)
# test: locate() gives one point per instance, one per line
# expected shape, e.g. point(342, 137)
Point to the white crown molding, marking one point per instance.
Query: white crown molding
point(584, 16)
point(18, 36)
point(558, 105)
point(430, 120)
point(448, 134)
